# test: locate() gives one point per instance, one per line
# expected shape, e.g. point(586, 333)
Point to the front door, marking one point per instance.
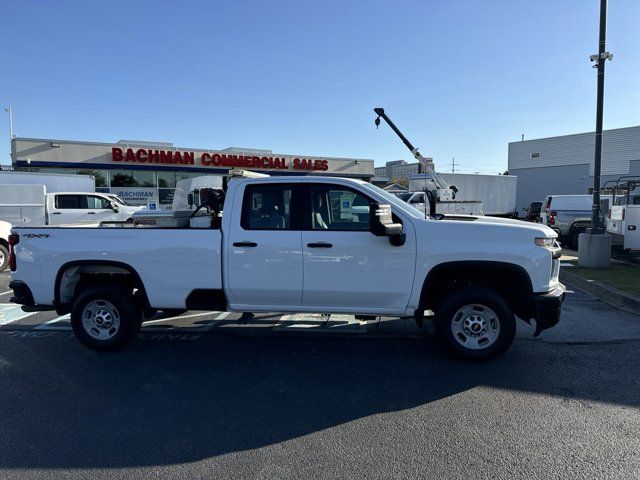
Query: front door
point(264, 257)
point(347, 266)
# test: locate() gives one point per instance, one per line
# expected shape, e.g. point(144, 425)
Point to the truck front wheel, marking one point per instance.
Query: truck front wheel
point(105, 317)
point(476, 323)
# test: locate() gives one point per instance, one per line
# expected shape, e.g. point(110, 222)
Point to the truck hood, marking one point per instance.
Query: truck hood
point(486, 232)
point(501, 221)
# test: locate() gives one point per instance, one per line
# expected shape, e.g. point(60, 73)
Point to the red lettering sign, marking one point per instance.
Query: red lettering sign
point(116, 154)
point(173, 157)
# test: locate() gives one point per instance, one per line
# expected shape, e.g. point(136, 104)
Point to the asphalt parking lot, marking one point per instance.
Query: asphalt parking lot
point(197, 397)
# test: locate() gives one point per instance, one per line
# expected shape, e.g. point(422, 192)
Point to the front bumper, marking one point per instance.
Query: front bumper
point(548, 308)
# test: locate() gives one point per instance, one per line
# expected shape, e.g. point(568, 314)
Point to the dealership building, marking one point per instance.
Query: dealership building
point(564, 165)
point(141, 172)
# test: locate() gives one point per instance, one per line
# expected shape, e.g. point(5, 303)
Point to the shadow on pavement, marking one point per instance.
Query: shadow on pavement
point(162, 403)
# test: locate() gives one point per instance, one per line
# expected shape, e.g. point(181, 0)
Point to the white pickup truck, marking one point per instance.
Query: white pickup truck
point(300, 244)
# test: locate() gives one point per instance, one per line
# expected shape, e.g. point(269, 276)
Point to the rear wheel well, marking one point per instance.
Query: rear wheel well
point(74, 278)
point(509, 280)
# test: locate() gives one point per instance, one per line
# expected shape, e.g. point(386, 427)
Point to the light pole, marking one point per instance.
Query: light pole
point(10, 110)
point(594, 247)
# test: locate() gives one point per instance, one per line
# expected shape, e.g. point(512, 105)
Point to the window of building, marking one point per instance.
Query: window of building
point(267, 207)
point(339, 209)
point(536, 155)
point(133, 178)
point(101, 176)
point(170, 179)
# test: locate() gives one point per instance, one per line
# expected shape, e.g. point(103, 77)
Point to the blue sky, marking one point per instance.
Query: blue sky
point(460, 78)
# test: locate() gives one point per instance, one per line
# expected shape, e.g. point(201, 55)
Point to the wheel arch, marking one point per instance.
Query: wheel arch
point(506, 278)
point(101, 269)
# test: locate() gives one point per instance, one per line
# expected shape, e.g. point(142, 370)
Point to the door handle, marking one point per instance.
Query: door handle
point(56, 213)
point(91, 213)
point(245, 244)
point(319, 245)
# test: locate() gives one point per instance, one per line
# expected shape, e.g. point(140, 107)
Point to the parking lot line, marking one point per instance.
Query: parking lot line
point(10, 313)
point(149, 322)
point(50, 325)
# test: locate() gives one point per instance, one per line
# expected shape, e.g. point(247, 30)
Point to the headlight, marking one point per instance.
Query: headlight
point(545, 242)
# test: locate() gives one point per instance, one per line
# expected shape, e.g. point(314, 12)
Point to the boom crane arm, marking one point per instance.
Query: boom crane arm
point(444, 191)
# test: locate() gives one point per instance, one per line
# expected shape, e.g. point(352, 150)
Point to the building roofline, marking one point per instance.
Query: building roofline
point(573, 134)
point(116, 144)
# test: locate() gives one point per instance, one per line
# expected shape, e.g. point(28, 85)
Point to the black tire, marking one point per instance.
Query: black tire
point(484, 303)
point(173, 312)
point(4, 257)
point(125, 309)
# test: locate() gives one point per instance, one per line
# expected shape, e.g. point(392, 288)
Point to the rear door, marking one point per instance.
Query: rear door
point(263, 249)
point(68, 208)
point(345, 265)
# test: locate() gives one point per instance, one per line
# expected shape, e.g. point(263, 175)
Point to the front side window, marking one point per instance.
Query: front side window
point(96, 202)
point(337, 208)
point(267, 207)
point(64, 202)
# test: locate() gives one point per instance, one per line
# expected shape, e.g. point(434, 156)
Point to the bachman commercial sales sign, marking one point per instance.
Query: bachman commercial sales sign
point(216, 160)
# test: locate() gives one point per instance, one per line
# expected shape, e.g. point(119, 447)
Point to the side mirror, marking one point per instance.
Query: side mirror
point(114, 207)
point(381, 221)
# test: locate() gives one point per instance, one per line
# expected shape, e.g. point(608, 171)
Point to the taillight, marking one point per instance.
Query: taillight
point(623, 210)
point(552, 217)
point(609, 214)
point(13, 241)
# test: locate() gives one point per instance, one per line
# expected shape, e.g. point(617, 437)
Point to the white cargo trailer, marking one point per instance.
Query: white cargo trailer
point(496, 192)
point(53, 182)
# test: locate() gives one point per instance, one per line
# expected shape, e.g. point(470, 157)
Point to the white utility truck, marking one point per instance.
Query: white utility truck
point(623, 220)
point(299, 244)
point(495, 194)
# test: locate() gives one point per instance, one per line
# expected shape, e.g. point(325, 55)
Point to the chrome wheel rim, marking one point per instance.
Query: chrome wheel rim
point(2, 258)
point(475, 326)
point(101, 320)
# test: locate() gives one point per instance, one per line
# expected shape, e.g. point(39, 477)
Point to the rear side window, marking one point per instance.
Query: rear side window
point(267, 207)
point(71, 201)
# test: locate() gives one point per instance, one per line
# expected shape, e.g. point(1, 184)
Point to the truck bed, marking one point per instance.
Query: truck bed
point(170, 262)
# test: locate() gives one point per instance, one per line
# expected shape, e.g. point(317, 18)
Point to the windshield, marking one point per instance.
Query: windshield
point(117, 199)
point(394, 201)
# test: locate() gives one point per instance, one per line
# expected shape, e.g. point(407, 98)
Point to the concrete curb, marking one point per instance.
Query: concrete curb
point(609, 295)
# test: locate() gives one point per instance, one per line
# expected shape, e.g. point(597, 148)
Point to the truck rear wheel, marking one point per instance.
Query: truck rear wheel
point(476, 323)
point(4, 257)
point(105, 317)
